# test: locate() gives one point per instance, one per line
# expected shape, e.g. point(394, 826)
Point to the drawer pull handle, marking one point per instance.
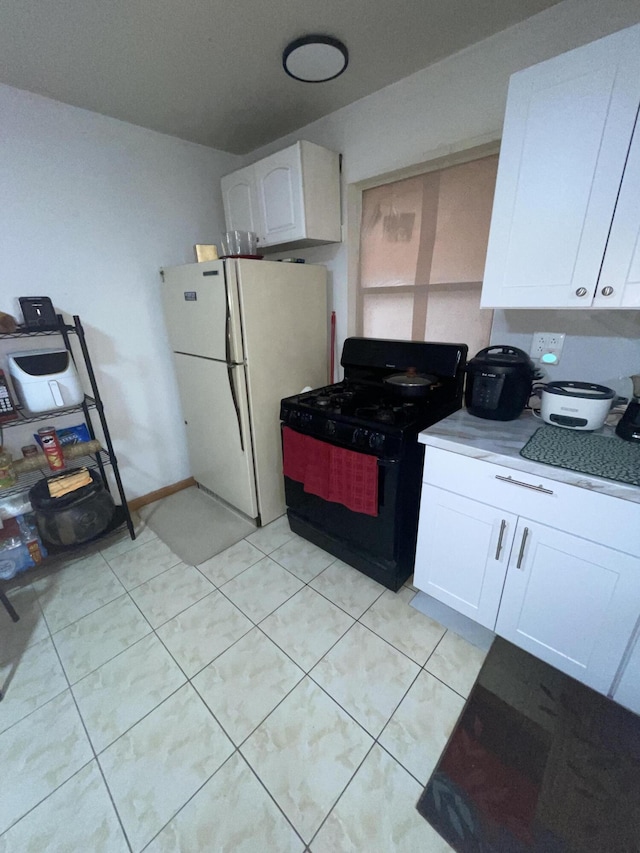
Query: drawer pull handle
point(522, 544)
point(525, 485)
point(503, 527)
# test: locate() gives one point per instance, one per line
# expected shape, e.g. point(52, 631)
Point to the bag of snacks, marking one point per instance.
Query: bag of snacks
point(20, 545)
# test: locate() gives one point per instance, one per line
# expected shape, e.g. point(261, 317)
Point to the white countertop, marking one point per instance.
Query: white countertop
point(501, 442)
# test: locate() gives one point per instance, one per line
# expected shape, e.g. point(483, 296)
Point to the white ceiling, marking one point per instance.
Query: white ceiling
point(210, 71)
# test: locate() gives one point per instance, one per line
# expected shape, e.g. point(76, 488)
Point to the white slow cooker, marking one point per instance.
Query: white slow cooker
point(576, 405)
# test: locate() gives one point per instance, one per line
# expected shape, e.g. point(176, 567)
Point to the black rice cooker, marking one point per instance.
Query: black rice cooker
point(499, 380)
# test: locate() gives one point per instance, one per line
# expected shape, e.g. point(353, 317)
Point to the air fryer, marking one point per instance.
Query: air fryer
point(45, 379)
point(499, 380)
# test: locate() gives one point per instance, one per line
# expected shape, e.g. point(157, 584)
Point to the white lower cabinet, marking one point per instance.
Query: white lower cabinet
point(626, 690)
point(506, 554)
point(571, 602)
point(463, 549)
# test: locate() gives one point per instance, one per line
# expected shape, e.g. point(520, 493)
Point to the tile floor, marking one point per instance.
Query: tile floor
point(269, 699)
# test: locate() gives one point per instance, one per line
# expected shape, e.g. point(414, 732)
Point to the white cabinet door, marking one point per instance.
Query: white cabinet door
point(567, 132)
point(279, 191)
point(462, 553)
point(627, 690)
point(570, 602)
point(619, 284)
point(241, 209)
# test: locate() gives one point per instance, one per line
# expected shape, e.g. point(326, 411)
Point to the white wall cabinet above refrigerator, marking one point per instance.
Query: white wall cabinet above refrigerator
point(289, 199)
point(565, 224)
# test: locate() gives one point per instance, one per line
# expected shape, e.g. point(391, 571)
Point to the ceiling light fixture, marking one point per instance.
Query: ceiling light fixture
point(315, 59)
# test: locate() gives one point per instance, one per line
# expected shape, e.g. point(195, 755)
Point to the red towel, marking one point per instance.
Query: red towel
point(333, 473)
point(353, 480)
point(294, 454)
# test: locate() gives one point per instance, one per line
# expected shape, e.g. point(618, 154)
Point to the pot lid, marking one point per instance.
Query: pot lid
point(411, 379)
point(586, 390)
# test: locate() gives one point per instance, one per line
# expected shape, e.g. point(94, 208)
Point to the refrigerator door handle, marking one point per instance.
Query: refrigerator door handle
point(227, 329)
point(234, 397)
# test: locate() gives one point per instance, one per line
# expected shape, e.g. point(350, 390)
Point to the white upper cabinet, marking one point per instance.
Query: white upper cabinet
point(279, 188)
point(240, 201)
point(619, 283)
point(291, 198)
point(565, 221)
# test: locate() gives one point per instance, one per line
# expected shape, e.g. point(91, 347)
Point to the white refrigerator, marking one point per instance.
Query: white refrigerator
point(244, 334)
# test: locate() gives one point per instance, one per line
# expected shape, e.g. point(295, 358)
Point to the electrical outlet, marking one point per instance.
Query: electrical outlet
point(546, 347)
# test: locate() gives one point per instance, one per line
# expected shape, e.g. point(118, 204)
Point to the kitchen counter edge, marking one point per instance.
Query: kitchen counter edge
point(501, 441)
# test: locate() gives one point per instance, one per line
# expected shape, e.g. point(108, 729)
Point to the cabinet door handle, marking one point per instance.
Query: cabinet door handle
point(525, 485)
point(503, 527)
point(522, 544)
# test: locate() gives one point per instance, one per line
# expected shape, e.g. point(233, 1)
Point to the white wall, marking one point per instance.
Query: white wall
point(600, 346)
point(90, 209)
point(458, 103)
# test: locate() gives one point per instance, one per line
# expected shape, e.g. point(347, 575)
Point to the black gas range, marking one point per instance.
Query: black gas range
point(367, 415)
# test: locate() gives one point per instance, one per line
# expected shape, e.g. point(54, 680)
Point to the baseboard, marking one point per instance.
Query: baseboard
point(164, 492)
point(469, 630)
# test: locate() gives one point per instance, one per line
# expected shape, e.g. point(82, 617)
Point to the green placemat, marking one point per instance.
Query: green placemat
point(600, 455)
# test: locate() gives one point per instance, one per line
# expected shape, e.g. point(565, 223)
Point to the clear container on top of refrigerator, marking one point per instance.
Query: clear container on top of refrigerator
point(45, 379)
point(239, 244)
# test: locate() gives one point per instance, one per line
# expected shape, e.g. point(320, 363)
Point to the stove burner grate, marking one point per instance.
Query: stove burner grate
point(388, 414)
point(367, 403)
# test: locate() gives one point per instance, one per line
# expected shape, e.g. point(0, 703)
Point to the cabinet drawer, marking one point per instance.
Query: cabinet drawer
point(599, 518)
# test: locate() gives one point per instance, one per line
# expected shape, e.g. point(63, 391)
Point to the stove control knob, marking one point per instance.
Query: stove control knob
point(376, 440)
point(330, 427)
point(359, 436)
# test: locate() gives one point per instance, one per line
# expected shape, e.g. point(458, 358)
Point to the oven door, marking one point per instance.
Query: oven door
point(375, 536)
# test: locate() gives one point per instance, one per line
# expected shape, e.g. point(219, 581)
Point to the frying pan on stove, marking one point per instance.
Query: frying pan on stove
point(411, 383)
